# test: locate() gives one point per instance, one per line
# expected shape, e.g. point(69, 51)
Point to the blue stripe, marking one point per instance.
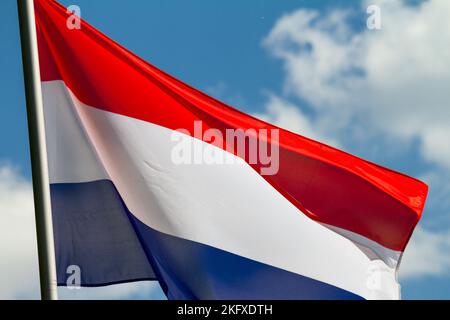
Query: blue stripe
point(94, 213)
point(92, 230)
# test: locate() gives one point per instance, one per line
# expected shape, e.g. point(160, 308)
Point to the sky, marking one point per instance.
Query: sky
point(312, 67)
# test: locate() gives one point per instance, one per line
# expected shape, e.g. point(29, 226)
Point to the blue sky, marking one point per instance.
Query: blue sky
point(309, 66)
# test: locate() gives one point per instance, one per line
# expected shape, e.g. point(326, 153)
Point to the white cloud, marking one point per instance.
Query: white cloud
point(19, 277)
point(394, 80)
point(287, 115)
point(222, 91)
point(426, 255)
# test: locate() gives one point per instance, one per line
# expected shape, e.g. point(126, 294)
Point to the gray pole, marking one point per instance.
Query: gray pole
point(38, 150)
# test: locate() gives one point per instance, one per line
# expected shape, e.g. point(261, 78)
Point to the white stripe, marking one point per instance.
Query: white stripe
point(373, 249)
point(230, 207)
point(71, 157)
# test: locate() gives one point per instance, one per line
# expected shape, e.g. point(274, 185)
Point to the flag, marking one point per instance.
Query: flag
point(149, 182)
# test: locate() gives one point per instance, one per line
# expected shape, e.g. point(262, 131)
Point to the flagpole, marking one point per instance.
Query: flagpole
point(38, 150)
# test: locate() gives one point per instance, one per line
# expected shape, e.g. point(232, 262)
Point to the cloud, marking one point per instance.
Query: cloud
point(19, 276)
point(426, 255)
point(221, 91)
point(287, 115)
point(393, 80)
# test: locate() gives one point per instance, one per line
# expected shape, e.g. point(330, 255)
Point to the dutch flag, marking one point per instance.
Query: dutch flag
point(145, 186)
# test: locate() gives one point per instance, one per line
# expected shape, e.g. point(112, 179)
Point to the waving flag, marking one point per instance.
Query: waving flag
point(322, 225)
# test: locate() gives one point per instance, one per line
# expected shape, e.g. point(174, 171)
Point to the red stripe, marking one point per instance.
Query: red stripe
point(328, 185)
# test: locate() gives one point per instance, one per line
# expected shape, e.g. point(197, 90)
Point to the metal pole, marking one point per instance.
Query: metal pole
point(38, 150)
